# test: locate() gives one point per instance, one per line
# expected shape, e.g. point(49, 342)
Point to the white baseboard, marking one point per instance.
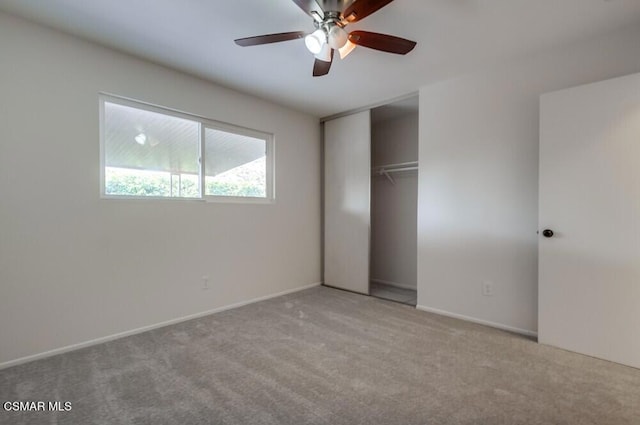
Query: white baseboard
point(478, 321)
point(396, 284)
point(108, 338)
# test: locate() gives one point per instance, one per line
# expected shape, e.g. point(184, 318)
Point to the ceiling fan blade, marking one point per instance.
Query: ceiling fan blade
point(269, 38)
point(311, 8)
point(360, 9)
point(383, 42)
point(321, 67)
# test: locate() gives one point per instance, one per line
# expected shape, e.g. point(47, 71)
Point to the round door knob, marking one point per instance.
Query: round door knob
point(547, 233)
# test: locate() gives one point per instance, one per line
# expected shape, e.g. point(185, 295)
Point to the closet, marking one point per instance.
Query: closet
point(370, 202)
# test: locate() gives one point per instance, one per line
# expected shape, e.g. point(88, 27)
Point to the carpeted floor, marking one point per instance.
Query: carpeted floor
point(325, 356)
point(393, 293)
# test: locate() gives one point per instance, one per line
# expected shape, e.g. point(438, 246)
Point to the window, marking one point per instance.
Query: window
point(147, 151)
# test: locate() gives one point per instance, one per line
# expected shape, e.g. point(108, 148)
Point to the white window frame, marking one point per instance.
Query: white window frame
point(203, 124)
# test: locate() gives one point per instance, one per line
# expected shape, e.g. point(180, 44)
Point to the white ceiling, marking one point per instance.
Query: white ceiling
point(395, 110)
point(454, 37)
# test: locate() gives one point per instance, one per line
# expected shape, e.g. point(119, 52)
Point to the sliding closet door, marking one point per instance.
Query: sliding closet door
point(347, 215)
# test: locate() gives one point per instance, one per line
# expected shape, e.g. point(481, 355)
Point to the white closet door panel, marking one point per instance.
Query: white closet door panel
point(347, 212)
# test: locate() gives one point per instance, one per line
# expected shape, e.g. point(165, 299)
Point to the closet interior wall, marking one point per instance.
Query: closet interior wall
point(394, 204)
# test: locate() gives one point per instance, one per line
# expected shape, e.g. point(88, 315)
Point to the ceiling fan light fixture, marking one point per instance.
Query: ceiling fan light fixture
point(325, 53)
point(317, 16)
point(330, 19)
point(346, 49)
point(338, 37)
point(315, 41)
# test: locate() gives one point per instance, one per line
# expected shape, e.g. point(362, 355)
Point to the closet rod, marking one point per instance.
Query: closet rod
point(393, 170)
point(382, 171)
point(396, 165)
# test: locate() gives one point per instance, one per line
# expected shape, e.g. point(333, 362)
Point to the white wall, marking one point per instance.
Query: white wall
point(74, 267)
point(394, 207)
point(477, 201)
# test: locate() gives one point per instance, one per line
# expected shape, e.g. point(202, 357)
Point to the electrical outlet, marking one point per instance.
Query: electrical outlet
point(205, 283)
point(487, 288)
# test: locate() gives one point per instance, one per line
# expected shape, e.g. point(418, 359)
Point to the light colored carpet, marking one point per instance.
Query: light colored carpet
point(393, 293)
point(325, 356)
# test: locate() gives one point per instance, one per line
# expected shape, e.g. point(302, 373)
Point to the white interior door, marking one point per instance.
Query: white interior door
point(347, 199)
point(589, 270)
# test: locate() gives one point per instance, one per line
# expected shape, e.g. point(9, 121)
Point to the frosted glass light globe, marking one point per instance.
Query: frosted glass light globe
point(337, 37)
point(315, 41)
point(325, 53)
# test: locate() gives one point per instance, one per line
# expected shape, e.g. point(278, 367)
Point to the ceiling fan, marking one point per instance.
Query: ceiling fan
point(330, 21)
